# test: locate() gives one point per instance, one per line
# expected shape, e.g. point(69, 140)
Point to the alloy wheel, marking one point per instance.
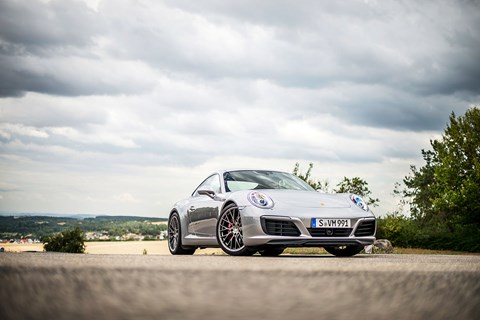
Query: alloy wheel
point(173, 233)
point(230, 229)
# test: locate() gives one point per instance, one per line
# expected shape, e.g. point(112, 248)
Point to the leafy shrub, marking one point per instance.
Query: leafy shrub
point(407, 232)
point(71, 241)
point(398, 229)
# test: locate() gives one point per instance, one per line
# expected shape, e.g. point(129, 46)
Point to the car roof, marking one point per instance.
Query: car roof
point(221, 172)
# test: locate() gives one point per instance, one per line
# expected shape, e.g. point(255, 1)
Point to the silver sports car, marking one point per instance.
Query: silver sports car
point(249, 211)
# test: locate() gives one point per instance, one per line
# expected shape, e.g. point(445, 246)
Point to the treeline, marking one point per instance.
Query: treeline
point(439, 203)
point(439, 206)
point(41, 226)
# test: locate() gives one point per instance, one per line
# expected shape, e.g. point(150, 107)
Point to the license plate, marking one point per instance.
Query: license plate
point(331, 223)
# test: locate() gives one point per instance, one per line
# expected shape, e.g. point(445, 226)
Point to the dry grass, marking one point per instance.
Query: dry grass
point(160, 248)
point(112, 247)
point(12, 247)
point(301, 251)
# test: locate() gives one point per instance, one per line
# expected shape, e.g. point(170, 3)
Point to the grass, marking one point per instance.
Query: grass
point(428, 251)
point(396, 250)
point(305, 251)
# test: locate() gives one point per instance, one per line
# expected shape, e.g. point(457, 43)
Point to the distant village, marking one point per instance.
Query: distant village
point(20, 241)
point(97, 236)
point(32, 229)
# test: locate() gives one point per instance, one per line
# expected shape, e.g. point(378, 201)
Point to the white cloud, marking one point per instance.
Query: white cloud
point(99, 136)
point(7, 129)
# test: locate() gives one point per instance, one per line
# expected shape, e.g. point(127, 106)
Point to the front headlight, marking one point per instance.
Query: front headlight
point(260, 200)
point(359, 202)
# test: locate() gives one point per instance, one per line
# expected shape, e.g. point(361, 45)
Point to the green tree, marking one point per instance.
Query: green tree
point(316, 184)
point(358, 186)
point(446, 189)
point(71, 241)
point(354, 185)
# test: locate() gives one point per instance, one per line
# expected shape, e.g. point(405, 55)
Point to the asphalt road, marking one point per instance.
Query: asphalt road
point(70, 286)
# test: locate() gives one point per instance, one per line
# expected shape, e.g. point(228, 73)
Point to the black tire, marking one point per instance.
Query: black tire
point(175, 237)
point(344, 251)
point(229, 232)
point(271, 251)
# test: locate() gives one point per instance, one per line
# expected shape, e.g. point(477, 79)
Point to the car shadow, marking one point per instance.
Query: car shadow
point(316, 256)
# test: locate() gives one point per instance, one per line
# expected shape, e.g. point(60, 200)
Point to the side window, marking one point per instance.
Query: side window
point(213, 182)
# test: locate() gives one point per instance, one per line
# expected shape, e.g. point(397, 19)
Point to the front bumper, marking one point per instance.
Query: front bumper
point(319, 242)
point(255, 232)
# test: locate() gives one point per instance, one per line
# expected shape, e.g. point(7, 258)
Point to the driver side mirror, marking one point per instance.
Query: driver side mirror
point(208, 191)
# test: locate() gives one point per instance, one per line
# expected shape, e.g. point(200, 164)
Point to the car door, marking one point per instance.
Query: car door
point(203, 211)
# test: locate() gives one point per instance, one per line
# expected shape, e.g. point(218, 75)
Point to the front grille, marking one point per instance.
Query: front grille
point(280, 228)
point(365, 228)
point(330, 232)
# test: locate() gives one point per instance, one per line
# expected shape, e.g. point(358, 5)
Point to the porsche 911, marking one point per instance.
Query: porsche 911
point(248, 211)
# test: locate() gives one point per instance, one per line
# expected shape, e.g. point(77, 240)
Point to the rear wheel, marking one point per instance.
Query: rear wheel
point(230, 232)
point(175, 236)
point(344, 251)
point(271, 251)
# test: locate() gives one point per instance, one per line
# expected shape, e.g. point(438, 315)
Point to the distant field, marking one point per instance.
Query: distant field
point(112, 247)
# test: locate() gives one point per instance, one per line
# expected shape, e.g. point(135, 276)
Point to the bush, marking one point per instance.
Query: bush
point(71, 241)
point(407, 232)
point(400, 230)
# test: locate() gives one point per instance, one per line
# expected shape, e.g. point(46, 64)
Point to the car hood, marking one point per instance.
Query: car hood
point(308, 199)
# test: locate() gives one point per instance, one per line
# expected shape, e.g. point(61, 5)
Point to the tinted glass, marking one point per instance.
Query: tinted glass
point(213, 182)
point(256, 179)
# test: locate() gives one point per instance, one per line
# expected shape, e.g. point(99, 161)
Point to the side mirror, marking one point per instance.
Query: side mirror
point(206, 191)
point(320, 191)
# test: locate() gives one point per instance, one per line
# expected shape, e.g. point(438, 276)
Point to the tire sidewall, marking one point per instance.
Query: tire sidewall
point(180, 249)
point(172, 216)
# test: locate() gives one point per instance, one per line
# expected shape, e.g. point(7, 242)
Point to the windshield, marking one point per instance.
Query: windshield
point(259, 179)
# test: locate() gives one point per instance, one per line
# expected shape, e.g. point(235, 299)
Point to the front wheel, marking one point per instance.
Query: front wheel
point(344, 251)
point(175, 236)
point(230, 232)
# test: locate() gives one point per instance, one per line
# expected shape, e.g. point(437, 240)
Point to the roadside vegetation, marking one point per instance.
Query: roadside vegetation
point(71, 241)
point(438, 203)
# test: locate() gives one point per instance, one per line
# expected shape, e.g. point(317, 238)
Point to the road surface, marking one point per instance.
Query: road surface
point(71, 286)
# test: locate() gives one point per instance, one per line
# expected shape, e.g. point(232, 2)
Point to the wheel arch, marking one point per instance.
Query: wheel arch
point(172, 212)
point(183, 222)
point(227, 203)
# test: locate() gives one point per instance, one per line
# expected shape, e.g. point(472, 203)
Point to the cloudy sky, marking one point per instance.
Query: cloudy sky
point(123, 107)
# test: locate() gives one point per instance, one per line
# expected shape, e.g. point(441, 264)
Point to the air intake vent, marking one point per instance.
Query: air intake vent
point(365, 228)
point(280, 228)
